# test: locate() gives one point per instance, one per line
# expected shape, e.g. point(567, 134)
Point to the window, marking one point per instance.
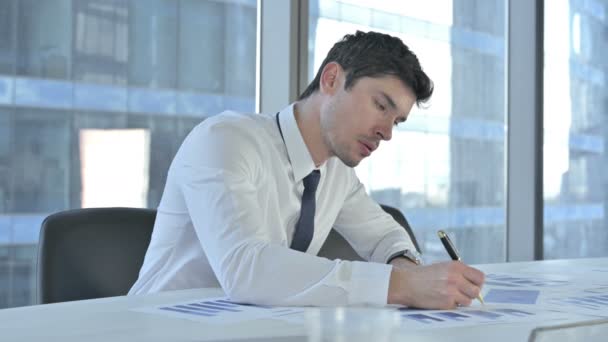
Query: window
point(77, 74)
point(444, 168)
point(575, 106)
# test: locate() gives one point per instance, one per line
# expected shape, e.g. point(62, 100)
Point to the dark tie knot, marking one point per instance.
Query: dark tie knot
point(312, 180)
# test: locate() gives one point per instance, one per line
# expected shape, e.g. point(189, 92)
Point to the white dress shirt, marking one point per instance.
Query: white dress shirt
point(229, 209)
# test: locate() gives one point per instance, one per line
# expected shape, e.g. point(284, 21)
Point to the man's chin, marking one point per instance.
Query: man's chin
point(351, 162)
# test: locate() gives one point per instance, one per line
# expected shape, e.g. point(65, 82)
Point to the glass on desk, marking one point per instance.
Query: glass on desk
point(589, 331)
point(352, 324)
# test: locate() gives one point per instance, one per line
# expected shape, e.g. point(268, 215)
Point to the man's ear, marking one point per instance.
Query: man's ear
point(330, 80)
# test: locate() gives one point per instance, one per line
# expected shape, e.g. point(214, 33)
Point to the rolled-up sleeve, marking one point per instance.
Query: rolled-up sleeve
point(217, 170)
point(372, 232)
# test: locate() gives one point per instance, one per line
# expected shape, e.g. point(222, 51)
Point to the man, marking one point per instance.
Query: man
point(250, 199)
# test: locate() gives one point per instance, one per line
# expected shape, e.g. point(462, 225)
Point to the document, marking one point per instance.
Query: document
point(474, 316)
point(585, 294)
point(220, 311)
point(581, 302)
point(523, 281)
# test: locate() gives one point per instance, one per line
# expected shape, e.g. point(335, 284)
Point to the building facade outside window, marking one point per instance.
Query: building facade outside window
point(575, 162)
point(121, 80)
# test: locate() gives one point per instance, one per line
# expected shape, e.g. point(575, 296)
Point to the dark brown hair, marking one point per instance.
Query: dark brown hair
point(373, 54)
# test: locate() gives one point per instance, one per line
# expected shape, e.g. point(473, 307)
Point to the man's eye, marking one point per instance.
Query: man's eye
point(396, 123)
point(380, 106)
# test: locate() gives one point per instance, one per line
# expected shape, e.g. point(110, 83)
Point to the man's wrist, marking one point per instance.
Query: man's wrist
point(398, 292)
point(412, 255)
point(402, 262)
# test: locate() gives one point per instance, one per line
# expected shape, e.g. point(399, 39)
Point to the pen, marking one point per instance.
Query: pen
point(451, 249)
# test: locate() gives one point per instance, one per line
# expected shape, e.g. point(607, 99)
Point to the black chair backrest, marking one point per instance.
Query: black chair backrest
point(91, 253)
point(336, 247)
point(400, 218)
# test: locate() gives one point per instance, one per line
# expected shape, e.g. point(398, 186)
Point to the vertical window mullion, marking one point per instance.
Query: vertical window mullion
point(525, 130)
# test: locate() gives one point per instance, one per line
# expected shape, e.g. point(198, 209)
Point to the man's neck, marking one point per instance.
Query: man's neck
point(308, 116)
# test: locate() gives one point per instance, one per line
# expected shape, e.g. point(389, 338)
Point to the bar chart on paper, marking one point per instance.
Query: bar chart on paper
point(512, 296)
point(505, 280)
point(221, 311)
point(567, 293)
point(489, 314)
point(593, 304)
point(431, 317)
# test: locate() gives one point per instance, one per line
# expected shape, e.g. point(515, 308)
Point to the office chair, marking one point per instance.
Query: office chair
point(91, 253)
point(336, 247)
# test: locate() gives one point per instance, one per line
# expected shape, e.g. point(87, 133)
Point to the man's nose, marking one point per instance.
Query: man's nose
point(385, 132)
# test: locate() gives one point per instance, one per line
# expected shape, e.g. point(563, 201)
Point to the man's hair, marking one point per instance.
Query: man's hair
point(374, 54)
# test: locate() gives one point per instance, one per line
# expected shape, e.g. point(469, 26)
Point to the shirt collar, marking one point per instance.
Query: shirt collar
point(297, 151)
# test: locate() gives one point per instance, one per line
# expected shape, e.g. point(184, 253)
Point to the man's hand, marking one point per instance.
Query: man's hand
point(437, 286)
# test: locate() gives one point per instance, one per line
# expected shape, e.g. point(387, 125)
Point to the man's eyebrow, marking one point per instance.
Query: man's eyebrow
point(392, 104)
point(389, 100)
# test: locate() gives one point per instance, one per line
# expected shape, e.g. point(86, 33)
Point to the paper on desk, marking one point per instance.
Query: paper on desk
point(523, 281)
point(583, 271)
point(566, 293)
point(220, 311)
point(586, 301)
point(521, 298)
point(476, 315)
point(414, 320)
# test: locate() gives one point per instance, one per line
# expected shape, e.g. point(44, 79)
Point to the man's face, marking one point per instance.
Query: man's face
point(354, 121)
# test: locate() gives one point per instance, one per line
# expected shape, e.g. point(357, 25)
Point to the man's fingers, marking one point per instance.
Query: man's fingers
point(463, 299)
point(471, 291)
point(474, 276)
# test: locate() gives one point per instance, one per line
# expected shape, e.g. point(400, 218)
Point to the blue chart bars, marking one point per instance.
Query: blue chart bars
point(512, 296)
point(508, 281)
point(210, 308)
point(594, 302)
point(222, 310)
point(438, 317)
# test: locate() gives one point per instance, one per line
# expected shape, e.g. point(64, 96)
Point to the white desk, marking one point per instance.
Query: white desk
point(110, 319)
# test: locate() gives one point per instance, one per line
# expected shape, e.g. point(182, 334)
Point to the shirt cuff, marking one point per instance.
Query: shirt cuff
point(369, 283)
